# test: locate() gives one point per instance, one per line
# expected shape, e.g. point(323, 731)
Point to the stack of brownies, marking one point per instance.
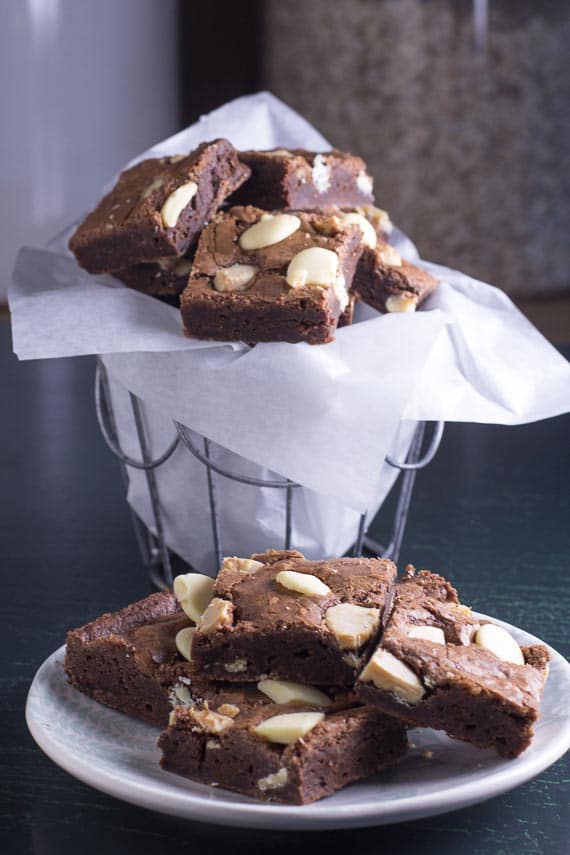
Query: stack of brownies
point(255, 246)
point(287, 679)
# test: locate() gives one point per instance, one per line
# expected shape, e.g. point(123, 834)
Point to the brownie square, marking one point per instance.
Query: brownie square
point(302, 180)
point(242, 287)
point(128, 660)
point(280, 616)
point(157, 208)
point(435, 667)
point(302, 752)
point(388, 282)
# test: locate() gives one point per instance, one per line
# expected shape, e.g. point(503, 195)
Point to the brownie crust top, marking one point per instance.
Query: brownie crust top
point(220, 247)
point(426, 599)
point(136, 223)
point(259, 599)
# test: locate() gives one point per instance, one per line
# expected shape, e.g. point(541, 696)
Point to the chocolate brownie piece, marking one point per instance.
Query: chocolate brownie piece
point(157, 208)
point(166, 277)
point(301, 180)
point(270, 277)
point(128, 660)
point(389, 283)
point(294, 753)
point(438, 666)
point(278, 615)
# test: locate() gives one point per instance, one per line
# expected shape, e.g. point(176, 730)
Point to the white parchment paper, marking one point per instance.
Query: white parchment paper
point(324, 416)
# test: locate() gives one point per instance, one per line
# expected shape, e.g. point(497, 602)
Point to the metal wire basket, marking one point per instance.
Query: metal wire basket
point(163, 564)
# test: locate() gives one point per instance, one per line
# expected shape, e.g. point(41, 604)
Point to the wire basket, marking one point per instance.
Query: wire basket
point(161, 562)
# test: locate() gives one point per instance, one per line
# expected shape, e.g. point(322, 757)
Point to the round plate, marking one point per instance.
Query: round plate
point(118, 756)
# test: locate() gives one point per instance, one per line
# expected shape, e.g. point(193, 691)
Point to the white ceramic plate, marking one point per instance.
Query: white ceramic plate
point(118, 756)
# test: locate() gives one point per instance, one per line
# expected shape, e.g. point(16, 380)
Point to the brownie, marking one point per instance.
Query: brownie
point(320, 748)
point(166, 277)
point(435, 668)
point(243, 285)
point(128, 660)
point(388, 282)
point(302, 180)
point(157, 208)
point(278, 615)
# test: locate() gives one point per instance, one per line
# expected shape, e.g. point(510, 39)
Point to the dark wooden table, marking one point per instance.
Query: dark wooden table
point(492, 512)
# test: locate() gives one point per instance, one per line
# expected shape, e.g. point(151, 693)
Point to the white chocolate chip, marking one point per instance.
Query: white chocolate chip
point(236, 667)
point(428, 633)
point(321, 174)
point(273, 782)
point(497, 640)
point(286, 692)
point(289, 727)
point(401, 303)
point(243, 565)
point(302, 583)
point(235, 278)
point(183, 642)
point(229, 709)
point(218, 615)
point(314, 266)
point(364, 183)
point(369, 236)
point(352, 625)
point(271, 228)
point(388, 673)
point(213, 744)
point(193, 591)
point(390, 256)
point(176, 203)
point(380, 219)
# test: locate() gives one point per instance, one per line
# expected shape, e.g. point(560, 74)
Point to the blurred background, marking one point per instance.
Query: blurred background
point(460, 107)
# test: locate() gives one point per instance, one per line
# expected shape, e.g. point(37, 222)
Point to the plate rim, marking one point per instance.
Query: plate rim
point(252, 814)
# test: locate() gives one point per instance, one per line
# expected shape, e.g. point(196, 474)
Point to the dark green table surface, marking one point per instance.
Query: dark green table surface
point(492, 512)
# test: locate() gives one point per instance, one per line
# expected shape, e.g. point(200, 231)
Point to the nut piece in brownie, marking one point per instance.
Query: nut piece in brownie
point(157, 208)
point(438, 666)
point(301, 180)
point(166, 277)
point(287, 743)
point(279, 616)
point(389, 283)
point(270, 277)
point(130, 660)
